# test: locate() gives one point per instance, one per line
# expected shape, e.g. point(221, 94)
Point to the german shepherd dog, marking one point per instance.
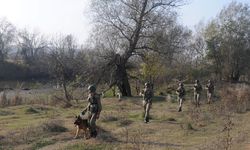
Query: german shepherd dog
point(82, 124)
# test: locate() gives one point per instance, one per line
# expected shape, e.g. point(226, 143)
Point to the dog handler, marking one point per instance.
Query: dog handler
point(147, 94)
point(94, 109)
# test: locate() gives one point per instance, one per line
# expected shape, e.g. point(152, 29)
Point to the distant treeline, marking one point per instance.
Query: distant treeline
point(143, 42)
point(12, 71)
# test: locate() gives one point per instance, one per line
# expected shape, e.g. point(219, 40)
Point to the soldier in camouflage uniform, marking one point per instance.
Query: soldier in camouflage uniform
point(210, 91)
point(197, 92)
point(93, 109)
point(181, 93)
point(147, 94)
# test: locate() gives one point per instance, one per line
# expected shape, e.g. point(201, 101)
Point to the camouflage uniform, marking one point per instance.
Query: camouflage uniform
point(147, 94)
point(181, 93)
point(197, 92)
point(93, 109)
point(210, 91)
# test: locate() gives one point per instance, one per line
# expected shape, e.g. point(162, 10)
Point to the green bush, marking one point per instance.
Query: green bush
point(189, 126)
point(31, 110)
point(54, 126)
point(6, 113)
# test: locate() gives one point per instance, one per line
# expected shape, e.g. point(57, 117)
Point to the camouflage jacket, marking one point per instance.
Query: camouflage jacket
point(180, 91)
point(147, 95)
point(197, 88)
point(94, 105)
point(210, 88)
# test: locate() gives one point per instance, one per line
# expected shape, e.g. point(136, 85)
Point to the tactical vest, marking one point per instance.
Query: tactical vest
point(93, 107)
point(148, 94)
point(181, 91)
point(210, 88)
point(198, 88)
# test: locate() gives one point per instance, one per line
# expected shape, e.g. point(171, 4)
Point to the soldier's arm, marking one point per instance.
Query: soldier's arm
point(142, 93)
point(99, 105)
point(86, 108)
point(177, 91)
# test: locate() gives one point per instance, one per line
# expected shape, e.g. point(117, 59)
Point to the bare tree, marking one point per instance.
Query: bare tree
point(131, 25)
point(7, 36)
point(62, 62)
point(32, 46)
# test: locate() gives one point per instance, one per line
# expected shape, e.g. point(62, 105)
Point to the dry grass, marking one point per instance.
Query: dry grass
point(3, 99)
point(15, 98)
point(31, 133)
point(236, 98)
point(121, 126)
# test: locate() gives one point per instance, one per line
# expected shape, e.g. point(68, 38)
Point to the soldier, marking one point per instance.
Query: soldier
point(210, 91)
point(197, 92)
point(147, 94)
point(181, 93)
point(93, 108)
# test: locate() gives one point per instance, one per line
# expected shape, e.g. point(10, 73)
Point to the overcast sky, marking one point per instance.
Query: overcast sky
point(70, 16)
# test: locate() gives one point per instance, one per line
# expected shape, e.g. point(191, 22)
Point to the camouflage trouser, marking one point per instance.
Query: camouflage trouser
point(180, 100)
point(197, 98)
point(146, 106)
point(92, 120)
point(209, 97)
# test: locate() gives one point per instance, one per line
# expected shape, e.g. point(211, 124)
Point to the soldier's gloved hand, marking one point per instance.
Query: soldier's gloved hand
point(83, 112)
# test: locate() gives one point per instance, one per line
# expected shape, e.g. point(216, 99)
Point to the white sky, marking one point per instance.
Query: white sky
point(53, 17)
point(203, 10)
point(50, 17)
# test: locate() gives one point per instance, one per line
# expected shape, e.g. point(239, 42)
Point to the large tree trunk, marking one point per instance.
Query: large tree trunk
point(124, 87)
point(66, 93)
point(121, 76)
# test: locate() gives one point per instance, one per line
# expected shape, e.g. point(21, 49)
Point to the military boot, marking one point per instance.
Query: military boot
point(93, 134)
point(146, 120)
point(180, 109)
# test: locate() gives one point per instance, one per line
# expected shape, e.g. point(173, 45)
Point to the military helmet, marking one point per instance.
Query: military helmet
point(180, 84)
point(147, 84)
point(197, 81)
point(92, 88)
point(209, 81)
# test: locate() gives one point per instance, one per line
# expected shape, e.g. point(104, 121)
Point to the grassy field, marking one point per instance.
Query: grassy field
point(121, 127)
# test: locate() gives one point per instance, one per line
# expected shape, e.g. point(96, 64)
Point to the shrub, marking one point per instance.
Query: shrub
point(31, 110)
point(54, 126)
point(171, 119)
point(109, 118)
point(3, 99)
point(236, 98)
point(5, 113)
point(189, 126)
point(17, 100)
